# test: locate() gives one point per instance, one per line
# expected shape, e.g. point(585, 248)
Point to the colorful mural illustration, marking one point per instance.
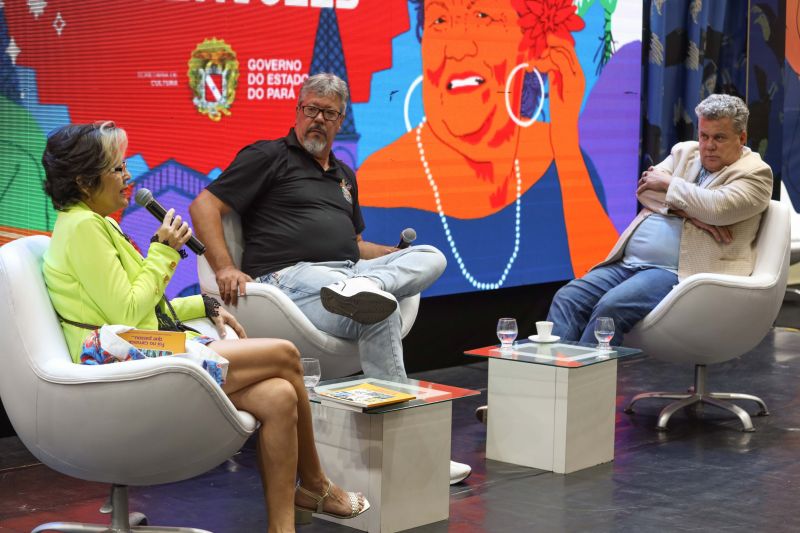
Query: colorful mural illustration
point(505, 132)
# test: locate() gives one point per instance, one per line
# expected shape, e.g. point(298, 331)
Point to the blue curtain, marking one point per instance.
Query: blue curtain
point(766, 89)
point(694, 48)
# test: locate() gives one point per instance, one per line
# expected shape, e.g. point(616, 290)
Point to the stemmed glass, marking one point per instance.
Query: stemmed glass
point(311, 372)
point(506, 332)
point(604, 332)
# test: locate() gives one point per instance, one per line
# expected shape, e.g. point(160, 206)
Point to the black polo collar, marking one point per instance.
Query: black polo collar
point(293, 142)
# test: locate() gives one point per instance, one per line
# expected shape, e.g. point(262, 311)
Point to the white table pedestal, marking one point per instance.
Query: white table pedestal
point(551, 418)
point(399, 460)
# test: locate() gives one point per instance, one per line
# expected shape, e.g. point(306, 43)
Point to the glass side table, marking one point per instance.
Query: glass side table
point(397, 455)
point(551, 405)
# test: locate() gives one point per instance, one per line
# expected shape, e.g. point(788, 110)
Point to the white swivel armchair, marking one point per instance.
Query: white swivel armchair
point(711, 318)
point(142, 422)
point(265, 311)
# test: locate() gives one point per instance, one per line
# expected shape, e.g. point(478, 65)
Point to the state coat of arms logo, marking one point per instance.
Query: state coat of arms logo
point(213, 77)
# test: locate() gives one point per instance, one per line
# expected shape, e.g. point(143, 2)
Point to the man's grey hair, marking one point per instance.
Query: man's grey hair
point(719, 106)
point(326, 85)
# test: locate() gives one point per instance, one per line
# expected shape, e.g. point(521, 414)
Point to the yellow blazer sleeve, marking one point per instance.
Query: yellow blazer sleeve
point(125, 296)
point(189, 307)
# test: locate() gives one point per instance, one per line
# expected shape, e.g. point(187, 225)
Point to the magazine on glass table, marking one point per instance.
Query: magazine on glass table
point(361, 396)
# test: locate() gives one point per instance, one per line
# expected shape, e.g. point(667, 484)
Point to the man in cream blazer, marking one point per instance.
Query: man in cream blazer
point(702, 208)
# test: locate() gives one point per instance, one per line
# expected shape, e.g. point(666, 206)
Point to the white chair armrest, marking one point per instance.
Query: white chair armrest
point(64, 372)
point(172, 416)
point(207, 328)
point(267, 307)
point(700, 286)
point(265, 311)
point(693, 322)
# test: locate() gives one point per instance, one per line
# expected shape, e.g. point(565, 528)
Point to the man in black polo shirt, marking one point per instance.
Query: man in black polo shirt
point(302, 228)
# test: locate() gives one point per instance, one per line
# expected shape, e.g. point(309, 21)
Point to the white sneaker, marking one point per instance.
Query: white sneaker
point(459, 472)
point(358, 298)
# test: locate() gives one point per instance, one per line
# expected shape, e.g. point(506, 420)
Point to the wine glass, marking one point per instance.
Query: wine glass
point(604, 332)
point(506, 331)
point(311, 372)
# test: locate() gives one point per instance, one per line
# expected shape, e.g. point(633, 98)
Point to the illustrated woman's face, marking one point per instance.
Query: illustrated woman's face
point(468, 49)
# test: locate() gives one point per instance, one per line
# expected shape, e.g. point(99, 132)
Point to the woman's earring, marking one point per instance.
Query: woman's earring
point(407, 100)
point(517, 120)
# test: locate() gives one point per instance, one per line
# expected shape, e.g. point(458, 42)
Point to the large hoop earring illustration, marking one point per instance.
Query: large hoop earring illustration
point(408, 99)
point(517, 120)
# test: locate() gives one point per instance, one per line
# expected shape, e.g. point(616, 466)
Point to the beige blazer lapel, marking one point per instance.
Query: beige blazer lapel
point(723, 175)
point(692, 168)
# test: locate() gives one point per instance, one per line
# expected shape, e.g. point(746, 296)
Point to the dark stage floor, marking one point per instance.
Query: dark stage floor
point(702, 475)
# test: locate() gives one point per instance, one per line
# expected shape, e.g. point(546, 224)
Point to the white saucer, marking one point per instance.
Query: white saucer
point(551, 338)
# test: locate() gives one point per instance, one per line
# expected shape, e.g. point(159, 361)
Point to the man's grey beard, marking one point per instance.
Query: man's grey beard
point(314, 146)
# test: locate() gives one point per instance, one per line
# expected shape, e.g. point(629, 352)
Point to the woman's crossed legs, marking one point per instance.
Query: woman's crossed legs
point(265, 378)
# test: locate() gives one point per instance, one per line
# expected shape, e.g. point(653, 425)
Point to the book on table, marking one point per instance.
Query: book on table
point(362, 396)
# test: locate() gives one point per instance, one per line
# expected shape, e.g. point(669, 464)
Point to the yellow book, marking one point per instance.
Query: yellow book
point(364, 396)
point(154, 343)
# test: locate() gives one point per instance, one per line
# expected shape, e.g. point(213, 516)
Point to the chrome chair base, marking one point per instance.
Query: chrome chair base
point(121, 521)
point(793, 293)
point(697, 397)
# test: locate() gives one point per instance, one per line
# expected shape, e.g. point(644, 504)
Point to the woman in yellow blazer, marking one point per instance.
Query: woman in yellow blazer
point(95, 276)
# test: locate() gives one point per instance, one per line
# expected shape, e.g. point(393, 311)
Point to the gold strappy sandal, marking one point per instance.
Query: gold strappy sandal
point(302, 515)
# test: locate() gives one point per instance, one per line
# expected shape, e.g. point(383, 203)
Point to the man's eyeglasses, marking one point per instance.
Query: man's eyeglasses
point(121, 169)
point(312, 111)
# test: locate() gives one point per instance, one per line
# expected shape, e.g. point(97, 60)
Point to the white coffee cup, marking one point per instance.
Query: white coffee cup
point(544, 330)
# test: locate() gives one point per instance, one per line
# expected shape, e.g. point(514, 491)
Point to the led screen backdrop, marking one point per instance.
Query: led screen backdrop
point(791, 104)
point(505, 132)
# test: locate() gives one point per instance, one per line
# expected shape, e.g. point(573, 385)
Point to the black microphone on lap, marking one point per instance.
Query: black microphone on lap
point(407, 236)
point(145, 199)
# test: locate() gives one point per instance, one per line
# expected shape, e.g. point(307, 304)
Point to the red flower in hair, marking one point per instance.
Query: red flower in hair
point(540, 18)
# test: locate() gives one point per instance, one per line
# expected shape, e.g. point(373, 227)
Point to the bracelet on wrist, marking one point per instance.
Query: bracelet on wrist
point(181, 252)
point(154, 238)
point(211, 305)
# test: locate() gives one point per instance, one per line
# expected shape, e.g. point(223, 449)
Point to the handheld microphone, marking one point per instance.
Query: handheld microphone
point(145, 199)
point(407, 236)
